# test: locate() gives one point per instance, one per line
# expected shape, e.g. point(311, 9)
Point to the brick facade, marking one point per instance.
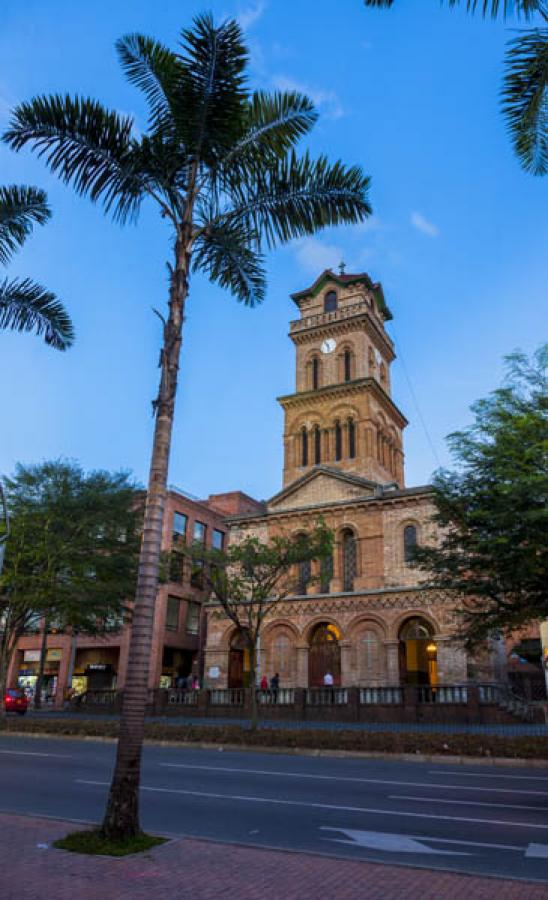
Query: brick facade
point(388, 628)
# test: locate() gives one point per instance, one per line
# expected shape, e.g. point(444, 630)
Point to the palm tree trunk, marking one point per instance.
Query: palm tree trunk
point(121, 821)
point(41, 666)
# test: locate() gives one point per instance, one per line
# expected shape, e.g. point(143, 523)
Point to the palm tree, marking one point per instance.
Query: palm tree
point(25, 305)
point(525, 90)
point(221, 165)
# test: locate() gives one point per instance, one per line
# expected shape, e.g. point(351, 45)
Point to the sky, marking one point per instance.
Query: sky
point(458, 239)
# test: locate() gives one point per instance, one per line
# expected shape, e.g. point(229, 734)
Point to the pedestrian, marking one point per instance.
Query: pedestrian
point(195, 683)
point(264, 683)
point(274, 686)
point(328, 683)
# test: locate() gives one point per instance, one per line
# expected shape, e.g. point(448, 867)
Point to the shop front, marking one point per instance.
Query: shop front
point(29, 667)
point(177, 664)
point(95, 669)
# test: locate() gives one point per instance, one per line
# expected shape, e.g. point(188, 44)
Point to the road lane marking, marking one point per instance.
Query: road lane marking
point(424, 784)
point(471, 803)
point(537, 851)
point(390, 843)
point(487, 775)
point(359, 809)
point(31, 753)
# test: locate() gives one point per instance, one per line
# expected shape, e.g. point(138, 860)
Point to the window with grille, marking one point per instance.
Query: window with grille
point(409, 542)
point(326, 574)
point(330, 302)
point(349, 560)
point(304, 447)
point(315, 373)
point(305, 573)
point(338, 441)
point(172, 614)
point(176, 567)
point(317, 445)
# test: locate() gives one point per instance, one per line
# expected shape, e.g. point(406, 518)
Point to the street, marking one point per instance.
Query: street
point(473, 819)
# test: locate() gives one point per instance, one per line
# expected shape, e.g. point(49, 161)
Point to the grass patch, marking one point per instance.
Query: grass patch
point(94, 843)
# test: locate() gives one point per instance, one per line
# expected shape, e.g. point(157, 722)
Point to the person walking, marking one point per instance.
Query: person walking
point(264, 683)
point(275, 686)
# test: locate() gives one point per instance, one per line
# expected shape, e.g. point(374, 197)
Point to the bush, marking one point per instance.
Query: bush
point(522, 746)
point(94, 843)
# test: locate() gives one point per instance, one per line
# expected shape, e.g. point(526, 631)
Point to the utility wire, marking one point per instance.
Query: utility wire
point(414, 396)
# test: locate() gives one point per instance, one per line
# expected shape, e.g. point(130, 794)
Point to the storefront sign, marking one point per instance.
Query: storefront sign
point(53, 655)
point(98, 667)
point(214, 672)
point(31, 656)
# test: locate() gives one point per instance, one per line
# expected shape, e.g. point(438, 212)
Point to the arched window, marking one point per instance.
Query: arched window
point(305, 572)
point(347, 365)
point(317, 445)
point(281, 657)
point(330, 302)
point(315, 373)
point(370, 648)
point(304, 446)
point(349, 559)
point(351, 439)
point(338, 441)
point(326, 574)
point(409, 542)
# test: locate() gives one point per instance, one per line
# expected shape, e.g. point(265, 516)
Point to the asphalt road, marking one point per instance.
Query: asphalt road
point(477, 819)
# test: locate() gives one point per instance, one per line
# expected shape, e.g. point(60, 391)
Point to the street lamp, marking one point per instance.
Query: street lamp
point(4, 518)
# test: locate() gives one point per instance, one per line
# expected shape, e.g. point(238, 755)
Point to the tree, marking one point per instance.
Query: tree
point(72, 555)
point(525, 90)
point(25, 305)
point(491, 511)
point(251, 577)
point(220, 164)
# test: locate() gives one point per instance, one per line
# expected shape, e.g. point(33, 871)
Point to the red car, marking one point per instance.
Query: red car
point(16, 701)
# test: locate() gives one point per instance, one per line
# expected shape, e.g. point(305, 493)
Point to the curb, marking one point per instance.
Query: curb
point(510, 762)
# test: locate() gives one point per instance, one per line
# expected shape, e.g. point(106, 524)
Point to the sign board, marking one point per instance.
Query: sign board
point(53, 655)
point(214, 672)
point(98, 667)
point(31, 656)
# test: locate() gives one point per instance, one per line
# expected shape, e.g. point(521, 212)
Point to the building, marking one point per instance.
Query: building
point(179, 626)
point(368, 621)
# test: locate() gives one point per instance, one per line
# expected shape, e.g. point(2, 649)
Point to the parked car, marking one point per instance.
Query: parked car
point(16, 701)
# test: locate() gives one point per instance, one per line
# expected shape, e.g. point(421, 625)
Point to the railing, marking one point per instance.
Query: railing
point(97, 698)
point(182, 697)
point(374, 695)
point(227, 697)
point(281, 697)
point(327, 696)
point(490, 693)
point(443, 693)
point(325, 318)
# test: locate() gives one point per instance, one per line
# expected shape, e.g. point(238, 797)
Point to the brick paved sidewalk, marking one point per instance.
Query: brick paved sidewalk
point(188, 869)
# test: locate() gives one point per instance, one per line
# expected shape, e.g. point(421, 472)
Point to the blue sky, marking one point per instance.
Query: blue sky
point(458, 239)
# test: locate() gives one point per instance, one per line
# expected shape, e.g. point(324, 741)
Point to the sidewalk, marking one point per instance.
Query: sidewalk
point(187, 868)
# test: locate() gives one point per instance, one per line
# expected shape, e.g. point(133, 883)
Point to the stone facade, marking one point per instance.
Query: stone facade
point(374, 624)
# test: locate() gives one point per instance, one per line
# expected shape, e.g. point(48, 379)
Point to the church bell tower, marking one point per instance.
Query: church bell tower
point(341, 414)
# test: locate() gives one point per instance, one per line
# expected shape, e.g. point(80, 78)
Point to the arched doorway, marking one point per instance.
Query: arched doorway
point(238, 662)
point(418, 652)
point(324, 654)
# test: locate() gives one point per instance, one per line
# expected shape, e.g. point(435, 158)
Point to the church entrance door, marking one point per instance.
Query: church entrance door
point(418, 653)
point(324, 655)
point(238, 663)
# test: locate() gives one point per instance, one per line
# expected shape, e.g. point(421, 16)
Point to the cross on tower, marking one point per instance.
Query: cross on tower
point(342, 267)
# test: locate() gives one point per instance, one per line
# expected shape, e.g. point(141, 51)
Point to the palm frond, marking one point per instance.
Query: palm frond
point(294, 197)
point(493, 8)
point(525, 98)
point(26, 306)
point(213, 91)
point(224, 253)
point(156, 71)
point(21, 208)
point(87, 145)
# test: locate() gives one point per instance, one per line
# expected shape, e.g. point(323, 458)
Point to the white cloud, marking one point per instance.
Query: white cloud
point(419, 222)
point(251, 14)
point(314, 256)
point(327, 101)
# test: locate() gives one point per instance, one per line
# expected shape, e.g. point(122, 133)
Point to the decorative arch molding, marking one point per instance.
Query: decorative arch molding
point(227, 636)
point(419, 613)
point(285, 625)
point(363, 622)
point(319, 620)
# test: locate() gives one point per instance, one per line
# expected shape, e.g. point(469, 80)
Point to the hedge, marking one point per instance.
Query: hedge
point(515, 746)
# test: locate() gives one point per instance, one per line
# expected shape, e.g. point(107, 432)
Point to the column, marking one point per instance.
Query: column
point(347, 674)
point(392, 651)
point(302, 666)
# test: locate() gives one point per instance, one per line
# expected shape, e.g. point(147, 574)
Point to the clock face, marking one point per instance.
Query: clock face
point(328, 345)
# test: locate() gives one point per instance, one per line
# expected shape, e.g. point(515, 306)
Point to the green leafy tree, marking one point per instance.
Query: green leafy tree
point(25, 305)
point(491, 510)
point(220, 164)
point(525, 89)
point(71, 561)
point(251, 577)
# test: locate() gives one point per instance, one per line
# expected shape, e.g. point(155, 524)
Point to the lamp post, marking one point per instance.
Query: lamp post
point(4, 519)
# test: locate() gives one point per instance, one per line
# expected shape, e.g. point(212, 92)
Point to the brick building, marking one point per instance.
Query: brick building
point(369, 621)
point(179, 625)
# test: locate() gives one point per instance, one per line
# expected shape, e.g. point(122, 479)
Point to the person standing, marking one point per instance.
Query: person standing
point(328, 683)
point(275, 686)
point(264, 683)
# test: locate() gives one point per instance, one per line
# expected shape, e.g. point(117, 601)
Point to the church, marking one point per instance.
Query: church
point(365, 618)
